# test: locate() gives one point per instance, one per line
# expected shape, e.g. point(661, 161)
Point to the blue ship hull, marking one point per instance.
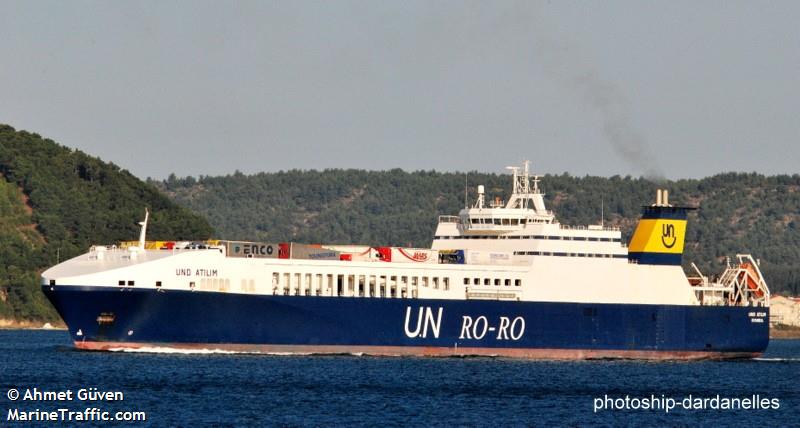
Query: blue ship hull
point(105, 318)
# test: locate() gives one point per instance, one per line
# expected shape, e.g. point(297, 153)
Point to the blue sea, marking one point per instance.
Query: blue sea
point(213, 389)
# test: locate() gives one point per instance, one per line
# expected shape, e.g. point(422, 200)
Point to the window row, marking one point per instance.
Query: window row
point(562, 254)
point(492, 281)
point(297, 284)
point(540, 237)
point(499, 221)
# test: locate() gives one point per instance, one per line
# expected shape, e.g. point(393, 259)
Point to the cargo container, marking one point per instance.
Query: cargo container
point(312, 252)
point(251, 249)
point(407, 255)
point(354, 252)
point(474, 257)
point(451, 257)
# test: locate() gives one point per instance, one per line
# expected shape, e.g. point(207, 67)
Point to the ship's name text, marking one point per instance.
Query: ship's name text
point(195, 272)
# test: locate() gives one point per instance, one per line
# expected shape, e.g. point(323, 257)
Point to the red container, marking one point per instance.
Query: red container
point(283, 250)
point(384, 253)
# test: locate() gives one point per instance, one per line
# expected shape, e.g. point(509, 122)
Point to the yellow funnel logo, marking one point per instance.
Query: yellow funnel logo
point(658, 236)
point(668, 237)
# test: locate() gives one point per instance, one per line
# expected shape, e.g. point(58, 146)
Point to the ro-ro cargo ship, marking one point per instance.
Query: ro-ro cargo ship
point(500, 279)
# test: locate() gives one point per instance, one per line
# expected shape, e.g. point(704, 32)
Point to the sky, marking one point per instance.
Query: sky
point(676, 89)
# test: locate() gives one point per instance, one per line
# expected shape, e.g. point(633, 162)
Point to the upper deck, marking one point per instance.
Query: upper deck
point(524, 226)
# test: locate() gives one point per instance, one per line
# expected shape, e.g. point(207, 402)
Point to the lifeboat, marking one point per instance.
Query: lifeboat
point(752, 278)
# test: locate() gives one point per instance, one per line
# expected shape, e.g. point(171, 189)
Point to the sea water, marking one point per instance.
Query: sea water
point(211, 388)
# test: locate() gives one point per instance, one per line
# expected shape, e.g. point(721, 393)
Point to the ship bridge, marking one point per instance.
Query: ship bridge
point(524, 226)
point(526, 206)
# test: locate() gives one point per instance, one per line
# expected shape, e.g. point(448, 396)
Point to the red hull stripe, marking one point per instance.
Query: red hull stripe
point(534, 354)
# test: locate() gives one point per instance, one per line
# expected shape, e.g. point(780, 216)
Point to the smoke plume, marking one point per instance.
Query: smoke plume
point(563, 63)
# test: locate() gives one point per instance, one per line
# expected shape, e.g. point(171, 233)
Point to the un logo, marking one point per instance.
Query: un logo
point(668, 237)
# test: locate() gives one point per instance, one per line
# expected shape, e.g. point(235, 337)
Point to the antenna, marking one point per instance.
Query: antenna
point(602, 212)
point(143, 233)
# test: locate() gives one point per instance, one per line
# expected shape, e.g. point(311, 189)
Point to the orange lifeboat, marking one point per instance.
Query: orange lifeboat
point(751, 281)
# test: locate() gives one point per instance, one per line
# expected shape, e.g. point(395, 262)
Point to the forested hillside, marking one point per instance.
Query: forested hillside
point(55, 202)
point(738, 212)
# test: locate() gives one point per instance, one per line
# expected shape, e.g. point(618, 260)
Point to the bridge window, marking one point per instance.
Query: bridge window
point(446, 283)
point(121, 283)
point(158, 283)
point(486, 281)
point(435, 281)
point(518, 283)
point(497, 281)
point(466, 281)
point(508, 282)
point(130, 283)
point(476, 281)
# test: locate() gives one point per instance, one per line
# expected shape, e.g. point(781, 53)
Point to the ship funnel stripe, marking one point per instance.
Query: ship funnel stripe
point(676, 213)
point(656, 258)
point(658, 236)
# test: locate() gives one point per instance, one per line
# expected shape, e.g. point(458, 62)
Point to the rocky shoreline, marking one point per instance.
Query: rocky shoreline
point(781, 331)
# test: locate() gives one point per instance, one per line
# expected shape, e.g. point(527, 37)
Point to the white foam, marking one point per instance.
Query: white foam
point(204, 351)
point(777, 359)
point(168, 350)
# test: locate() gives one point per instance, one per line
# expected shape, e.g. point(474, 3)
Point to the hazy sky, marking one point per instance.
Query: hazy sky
point(683, 89)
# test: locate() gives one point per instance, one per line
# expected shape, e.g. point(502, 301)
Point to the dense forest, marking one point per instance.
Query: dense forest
point(55, 202)
point(738, 212)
